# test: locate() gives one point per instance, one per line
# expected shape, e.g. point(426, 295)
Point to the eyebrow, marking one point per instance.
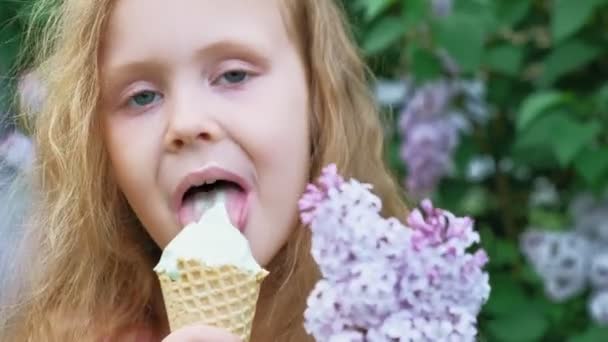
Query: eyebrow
point(122, 74)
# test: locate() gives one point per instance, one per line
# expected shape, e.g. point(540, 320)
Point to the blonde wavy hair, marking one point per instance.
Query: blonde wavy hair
point(88, 260)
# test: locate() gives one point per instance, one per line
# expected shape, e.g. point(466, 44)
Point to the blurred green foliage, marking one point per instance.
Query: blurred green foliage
point(10, 39)
point(545, 66)
point(546, 69)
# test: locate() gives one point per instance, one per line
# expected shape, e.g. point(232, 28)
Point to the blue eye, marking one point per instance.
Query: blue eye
point(235, 76)
point(143, 98)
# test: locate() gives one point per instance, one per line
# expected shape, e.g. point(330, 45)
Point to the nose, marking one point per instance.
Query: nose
point(190, 121)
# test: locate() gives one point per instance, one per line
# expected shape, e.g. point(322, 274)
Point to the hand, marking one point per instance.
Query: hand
point(201, 333)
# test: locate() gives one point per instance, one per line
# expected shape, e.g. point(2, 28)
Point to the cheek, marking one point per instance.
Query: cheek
point(131, 157)
point(278, 132)
point(279, 148)
point(120, 154)
point(134, 161)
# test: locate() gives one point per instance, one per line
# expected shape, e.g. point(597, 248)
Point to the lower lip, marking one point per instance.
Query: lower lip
point(237, 205)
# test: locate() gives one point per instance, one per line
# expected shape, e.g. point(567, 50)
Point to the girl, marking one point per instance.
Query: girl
point(148, 99)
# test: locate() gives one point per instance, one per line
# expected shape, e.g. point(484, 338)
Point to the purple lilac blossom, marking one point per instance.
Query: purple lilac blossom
point(383, 280)
point(429, 137)
point(430, 126)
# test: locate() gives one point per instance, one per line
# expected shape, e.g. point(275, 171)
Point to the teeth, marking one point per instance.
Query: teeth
point(206, 182)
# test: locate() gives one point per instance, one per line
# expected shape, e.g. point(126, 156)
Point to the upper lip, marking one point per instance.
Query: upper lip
point(199, 177)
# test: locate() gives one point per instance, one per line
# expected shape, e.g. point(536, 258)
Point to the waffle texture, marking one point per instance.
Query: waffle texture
point(224, 297)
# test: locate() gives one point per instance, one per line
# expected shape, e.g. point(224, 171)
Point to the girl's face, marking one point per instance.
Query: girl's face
point(197, 91)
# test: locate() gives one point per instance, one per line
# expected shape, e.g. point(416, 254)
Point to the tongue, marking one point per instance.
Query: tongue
point(198, 203)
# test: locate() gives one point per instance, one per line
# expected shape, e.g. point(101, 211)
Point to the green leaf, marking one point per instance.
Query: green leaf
point(569, 16)
point(476, 201)
point(531, 156)
point(600, 100)
point(386, 32)
point(520, 326)
point(555, 312)
point(592, 164)
point(548, 219)
point(506, 298)
point(504, 253)
point(450, 193)
point(564, 136)
point(571, 137)
point(462, 36)
point(566, 58)
point(425, 64)
point(530, 276)
point(373, 8)
point(512, 12)
point(414, 11)
point(535, 105)
point(505, 58)
point(482, 10)
point(487, 240)
point(593, 334)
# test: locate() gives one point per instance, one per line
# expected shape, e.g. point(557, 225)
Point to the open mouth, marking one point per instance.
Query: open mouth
point(198, 198)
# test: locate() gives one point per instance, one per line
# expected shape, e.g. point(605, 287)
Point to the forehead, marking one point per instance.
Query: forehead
point(138, 28)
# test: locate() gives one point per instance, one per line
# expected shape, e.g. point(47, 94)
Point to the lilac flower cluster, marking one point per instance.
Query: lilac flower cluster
point(442, 8)
point(570, 261)
point(32, 92)
point(429, 138)
point(430, 126)
point(16, 151)
point(384, 281)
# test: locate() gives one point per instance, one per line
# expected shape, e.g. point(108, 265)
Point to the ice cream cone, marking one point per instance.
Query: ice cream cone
point(219, 296)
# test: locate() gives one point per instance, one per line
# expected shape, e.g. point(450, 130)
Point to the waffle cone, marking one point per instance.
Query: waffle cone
point(223, 297)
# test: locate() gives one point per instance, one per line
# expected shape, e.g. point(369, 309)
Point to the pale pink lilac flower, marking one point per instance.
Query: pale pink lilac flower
point(383, 280)
point(591, 217)
point(391, 93)
point(473, 95)
point(569, 262)
point(598, 273)
point(598, 307)
point(561, 259)
point(442, 8)
point(32, 92)
point(16, 151)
